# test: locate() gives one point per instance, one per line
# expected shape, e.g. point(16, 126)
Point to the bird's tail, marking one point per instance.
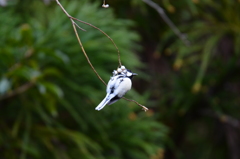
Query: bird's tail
point(103, 103)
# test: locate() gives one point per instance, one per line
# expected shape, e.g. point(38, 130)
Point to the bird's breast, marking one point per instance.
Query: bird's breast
point(124, 86)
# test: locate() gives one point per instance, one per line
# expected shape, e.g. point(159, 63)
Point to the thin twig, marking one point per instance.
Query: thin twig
point(63, 9)
point(119, 59)
point(144, 108)
point(161, 12)
point(80, 43)
point(85, 54)
point(78, 26)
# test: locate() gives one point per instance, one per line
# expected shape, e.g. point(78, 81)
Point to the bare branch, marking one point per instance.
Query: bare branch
point(79, 26)
point(63, 9)
point(85, 54)
point(119, 59)
point(161, 12)
point(144, 108)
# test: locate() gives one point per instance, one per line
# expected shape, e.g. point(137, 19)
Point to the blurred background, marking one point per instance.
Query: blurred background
point(48, 92)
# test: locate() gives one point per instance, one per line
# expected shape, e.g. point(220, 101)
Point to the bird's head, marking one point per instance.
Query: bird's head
point(130, 74)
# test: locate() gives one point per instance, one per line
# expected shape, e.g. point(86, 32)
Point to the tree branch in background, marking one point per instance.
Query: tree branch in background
point(223, 118)
point(161, 12)
point(84, 52)
point(17, 91)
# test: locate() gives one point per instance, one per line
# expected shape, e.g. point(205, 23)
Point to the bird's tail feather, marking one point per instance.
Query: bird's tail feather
point(103, 103)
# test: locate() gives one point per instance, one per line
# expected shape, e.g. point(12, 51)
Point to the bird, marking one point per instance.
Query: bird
point(119, 84)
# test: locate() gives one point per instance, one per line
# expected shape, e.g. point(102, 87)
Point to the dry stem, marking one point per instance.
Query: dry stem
point(144, 108)
point(168, 21)
point(119, 58)
point(85, 54)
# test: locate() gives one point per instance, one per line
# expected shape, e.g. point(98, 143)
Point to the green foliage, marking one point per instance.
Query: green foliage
point(194, 89)
point(198, 95)
point(48, 92)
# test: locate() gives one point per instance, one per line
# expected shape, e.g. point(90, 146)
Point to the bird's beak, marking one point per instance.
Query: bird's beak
point(135, 74)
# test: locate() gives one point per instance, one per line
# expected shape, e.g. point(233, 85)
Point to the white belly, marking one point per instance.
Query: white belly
point(123, 87)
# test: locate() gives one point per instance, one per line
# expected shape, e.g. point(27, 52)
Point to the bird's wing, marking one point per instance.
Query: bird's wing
point(113, 83)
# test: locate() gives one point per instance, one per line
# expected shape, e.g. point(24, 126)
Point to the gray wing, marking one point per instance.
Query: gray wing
point(113, 83)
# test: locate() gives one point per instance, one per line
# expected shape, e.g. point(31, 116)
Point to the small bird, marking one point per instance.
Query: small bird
point(117, 87)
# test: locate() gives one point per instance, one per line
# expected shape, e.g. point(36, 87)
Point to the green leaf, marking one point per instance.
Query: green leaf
point(50, 87)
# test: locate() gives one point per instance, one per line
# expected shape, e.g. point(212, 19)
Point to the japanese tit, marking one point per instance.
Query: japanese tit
point(117, 87)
